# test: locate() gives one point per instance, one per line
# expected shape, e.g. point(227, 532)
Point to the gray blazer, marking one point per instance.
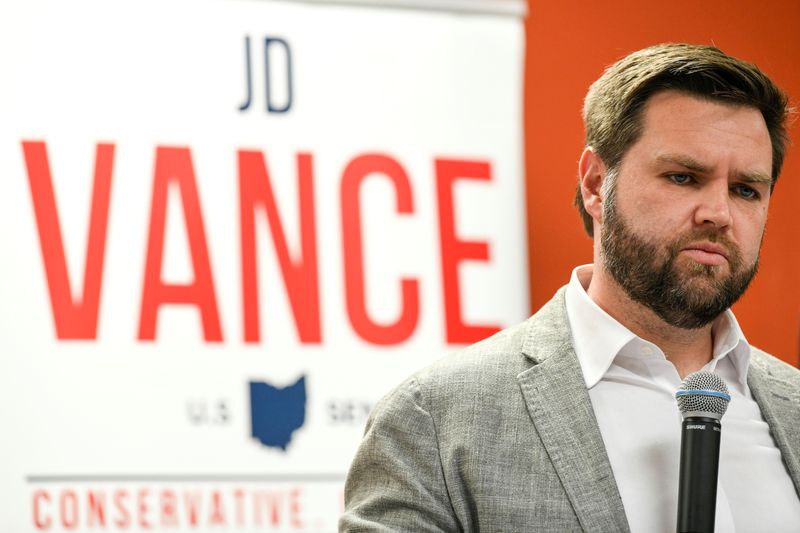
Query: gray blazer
point(502, 437)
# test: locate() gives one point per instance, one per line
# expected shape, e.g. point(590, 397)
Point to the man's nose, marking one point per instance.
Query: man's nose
point(714, 206)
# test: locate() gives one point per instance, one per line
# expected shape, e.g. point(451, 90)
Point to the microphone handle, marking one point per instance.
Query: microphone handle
point(697, 487)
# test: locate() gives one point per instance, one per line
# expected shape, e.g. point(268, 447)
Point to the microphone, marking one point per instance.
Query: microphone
point(702, 400)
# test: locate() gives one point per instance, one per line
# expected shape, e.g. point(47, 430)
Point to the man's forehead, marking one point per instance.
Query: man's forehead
point(678, 127)
point(668, 102)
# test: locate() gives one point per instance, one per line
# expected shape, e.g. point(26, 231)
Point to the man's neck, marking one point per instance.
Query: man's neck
point(688, 349)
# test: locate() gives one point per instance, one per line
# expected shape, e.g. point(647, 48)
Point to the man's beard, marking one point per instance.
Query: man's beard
point(651, 276)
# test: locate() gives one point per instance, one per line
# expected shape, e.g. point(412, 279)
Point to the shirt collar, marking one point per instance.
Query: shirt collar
point(598, 338)
point(730, 340)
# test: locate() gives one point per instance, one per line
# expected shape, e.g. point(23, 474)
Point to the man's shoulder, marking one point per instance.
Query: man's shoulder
point(774, 367)
point(514, 344)
point(508, 352)
point(487, 371)
point(496, 359)
point(499, 354)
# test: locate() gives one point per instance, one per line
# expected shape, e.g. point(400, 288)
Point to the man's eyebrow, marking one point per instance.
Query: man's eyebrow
point(696, 166)
point(755, 177)
point(684, 161)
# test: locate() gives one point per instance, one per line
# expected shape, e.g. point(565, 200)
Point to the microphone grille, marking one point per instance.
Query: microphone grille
point(703, 392)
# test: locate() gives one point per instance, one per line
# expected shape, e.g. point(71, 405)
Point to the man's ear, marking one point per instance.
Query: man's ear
point(592, 172)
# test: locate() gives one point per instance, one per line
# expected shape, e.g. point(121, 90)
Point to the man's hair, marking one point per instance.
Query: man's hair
point(612, 111)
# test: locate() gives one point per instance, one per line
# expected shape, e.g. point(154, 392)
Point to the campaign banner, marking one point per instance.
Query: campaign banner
point(229, 228)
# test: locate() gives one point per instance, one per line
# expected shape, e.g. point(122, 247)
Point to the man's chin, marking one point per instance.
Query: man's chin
point(704, 280)
point(692, 269)
point(702, 285)
point(701, 296)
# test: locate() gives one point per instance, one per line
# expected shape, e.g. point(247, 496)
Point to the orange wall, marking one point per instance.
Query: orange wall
point(568, 45)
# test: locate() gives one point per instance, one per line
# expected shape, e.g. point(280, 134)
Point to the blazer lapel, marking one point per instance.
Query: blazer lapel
point(559, 405)
point(779, 403)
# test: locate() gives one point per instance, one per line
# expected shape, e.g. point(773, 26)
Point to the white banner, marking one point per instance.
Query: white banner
point(229, 228)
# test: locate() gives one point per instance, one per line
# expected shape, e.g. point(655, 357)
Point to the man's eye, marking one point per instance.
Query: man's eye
point(680, 179)
point(746, 192)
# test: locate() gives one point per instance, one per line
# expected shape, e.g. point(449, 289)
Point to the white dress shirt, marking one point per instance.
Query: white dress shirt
point(632, 387)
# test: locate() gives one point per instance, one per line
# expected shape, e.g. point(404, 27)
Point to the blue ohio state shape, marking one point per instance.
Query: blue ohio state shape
point(276, 413)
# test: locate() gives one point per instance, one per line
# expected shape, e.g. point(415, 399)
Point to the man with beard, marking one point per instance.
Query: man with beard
point(568, 421)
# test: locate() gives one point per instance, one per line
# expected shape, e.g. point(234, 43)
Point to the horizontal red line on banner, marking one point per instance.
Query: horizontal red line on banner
point(110, 478)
